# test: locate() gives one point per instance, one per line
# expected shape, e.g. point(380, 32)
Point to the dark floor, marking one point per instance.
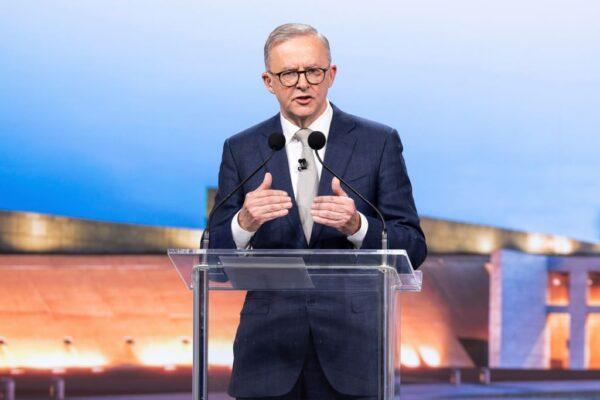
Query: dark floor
point(563, 390)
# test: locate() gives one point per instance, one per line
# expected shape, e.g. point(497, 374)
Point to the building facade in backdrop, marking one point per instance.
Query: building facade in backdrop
point(93, 296)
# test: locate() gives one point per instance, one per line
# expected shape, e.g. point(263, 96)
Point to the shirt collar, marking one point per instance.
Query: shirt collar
point(323, 123)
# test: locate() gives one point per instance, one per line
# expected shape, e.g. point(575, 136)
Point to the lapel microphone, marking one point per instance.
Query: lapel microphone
point(302, 164)
point(276, 143)
point(316, 141)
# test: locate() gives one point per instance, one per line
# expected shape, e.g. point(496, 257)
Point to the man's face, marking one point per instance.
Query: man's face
point(303, 102)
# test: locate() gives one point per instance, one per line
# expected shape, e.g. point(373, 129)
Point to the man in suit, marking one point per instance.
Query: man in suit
point(303, 345)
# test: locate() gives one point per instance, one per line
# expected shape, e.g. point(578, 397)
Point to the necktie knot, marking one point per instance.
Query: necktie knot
point(302, 136)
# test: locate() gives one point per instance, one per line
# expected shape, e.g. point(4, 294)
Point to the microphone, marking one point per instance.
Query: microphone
point(302, 164)
point(276, 142)
point(316, 141)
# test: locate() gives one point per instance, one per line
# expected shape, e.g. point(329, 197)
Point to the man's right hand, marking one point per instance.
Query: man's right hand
point(263, 205)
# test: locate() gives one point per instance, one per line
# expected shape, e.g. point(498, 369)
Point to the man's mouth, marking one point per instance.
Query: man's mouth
point(303, 100)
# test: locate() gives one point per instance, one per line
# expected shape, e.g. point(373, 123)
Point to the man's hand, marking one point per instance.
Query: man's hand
point(262, 205)
point(337, 211)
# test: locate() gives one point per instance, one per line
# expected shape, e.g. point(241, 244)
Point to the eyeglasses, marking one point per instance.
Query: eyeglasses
point(313, 75)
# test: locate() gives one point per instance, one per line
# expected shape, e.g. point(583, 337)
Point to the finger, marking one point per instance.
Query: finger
point(266, 183)
point(267, 192)
point(333, 215)
point(327, 222)
point(332, 199)
point(333, 207)
point(275, 214)
point(262, 210)
point(336, 188)
point(262, 201)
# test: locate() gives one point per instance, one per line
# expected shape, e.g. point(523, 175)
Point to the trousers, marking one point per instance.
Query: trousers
point(312, 384)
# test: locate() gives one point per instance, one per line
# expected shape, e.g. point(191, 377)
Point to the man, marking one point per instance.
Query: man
point(286, 345)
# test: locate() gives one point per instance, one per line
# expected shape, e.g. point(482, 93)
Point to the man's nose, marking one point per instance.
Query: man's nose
point(302, 82)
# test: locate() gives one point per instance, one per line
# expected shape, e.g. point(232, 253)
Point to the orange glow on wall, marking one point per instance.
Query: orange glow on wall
point(220, 353)
point(430, 356)
point(102, 312)
point(593, 283)
point(558, 289)
point(593, 341)
point(558, 335)
point(223, 319)
point(409, 357)
point(34, 356)
point(165, 354)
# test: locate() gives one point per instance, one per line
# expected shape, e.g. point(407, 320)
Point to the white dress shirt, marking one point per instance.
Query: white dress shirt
point(293, 148)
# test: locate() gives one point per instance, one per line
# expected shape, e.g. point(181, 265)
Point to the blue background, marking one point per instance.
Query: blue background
point(117, 111)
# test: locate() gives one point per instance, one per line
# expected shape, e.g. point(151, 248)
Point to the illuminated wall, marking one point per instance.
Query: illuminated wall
point(92, 311)
point(543, 311)
point(593, 341)
point(557, 330)
point(100, 311)
point(518, 310)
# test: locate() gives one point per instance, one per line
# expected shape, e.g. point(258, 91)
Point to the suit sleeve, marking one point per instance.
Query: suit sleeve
point(220, 231)
point(395, 201)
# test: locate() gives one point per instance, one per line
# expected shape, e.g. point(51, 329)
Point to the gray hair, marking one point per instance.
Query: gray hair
point(287, 31)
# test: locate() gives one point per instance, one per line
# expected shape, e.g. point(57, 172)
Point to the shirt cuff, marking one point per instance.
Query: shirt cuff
point(360, 234)
point(241, 237)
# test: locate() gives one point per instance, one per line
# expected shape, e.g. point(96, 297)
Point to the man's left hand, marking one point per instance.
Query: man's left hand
point(337, 211)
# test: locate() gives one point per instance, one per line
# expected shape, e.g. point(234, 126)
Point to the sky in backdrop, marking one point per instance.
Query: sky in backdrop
point(117, 110)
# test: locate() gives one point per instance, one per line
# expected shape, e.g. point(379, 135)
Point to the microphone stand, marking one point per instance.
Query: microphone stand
point(384, 235)
point(204, 241)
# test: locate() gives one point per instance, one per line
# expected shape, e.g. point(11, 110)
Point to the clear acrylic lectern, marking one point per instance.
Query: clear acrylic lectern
point(342, 301)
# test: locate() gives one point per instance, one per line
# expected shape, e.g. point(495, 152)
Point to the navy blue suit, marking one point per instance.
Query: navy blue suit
point(276, 329)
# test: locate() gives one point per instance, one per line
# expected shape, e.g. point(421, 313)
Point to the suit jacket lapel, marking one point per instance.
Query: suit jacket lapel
point(340, 145)
point(280, 170)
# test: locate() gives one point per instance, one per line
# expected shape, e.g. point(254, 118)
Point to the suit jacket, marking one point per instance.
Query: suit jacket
point(276, 327)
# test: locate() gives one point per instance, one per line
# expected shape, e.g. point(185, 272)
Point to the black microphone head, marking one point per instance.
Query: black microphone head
point(276, 141)
point(316, 140)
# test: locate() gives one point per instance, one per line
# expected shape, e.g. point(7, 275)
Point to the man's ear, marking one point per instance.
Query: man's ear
point(268, 81)
point(332, 73)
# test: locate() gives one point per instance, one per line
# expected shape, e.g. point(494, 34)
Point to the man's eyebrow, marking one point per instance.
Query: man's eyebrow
point(302, 67)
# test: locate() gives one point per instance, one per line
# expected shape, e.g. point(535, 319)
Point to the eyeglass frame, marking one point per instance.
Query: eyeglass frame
point(298, 73)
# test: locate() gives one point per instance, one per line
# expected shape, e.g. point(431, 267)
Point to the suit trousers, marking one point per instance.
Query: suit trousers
point(312, 383)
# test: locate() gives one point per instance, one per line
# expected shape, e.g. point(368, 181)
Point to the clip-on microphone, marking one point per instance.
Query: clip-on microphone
point(302, 164)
